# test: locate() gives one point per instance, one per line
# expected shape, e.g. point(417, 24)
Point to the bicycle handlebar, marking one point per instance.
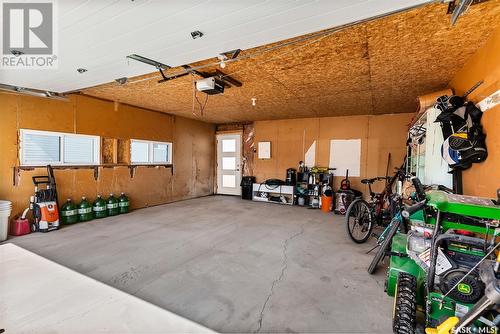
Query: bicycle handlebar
point(407, 212)
point(419, 188)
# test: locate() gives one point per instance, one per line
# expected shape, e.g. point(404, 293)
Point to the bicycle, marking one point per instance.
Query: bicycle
point(361, 216)
point(400, 222)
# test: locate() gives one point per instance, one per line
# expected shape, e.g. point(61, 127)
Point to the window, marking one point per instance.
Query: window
point(150, 152)
point(55, 148)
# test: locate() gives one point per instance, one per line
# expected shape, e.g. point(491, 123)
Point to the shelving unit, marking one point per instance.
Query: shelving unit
point(132, 168)
point(273, 194)
point(309, 191)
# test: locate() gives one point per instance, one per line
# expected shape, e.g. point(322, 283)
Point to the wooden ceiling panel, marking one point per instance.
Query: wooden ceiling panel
point(417, 52)
point(335, 64)
point(376, 67)
point(347, 103)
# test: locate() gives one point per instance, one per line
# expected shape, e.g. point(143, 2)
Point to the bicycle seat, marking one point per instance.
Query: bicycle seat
point(368, 181)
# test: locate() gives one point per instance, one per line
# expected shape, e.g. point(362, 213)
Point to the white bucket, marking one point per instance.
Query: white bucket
point(5, 210)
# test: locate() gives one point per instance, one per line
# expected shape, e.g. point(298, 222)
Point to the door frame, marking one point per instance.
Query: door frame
point(239, 162)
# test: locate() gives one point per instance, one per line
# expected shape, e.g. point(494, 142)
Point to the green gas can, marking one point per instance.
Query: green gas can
point(112, 205)
point(123, 203)
point(99, 208)
point(69, 213)
point(85, 210)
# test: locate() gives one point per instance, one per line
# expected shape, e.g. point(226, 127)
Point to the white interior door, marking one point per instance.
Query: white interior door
point(229, 164)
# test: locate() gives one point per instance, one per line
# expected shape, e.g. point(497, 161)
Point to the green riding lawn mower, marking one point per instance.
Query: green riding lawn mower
point(443, 273)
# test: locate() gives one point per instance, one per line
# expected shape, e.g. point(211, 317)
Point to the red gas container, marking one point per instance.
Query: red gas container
point(20, 226)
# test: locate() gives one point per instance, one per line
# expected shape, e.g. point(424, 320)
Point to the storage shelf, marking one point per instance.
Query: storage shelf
point(132, 167)
point(266, 200)
point(276, 191)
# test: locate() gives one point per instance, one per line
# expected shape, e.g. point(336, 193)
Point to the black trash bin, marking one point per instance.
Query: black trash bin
point(247, 187)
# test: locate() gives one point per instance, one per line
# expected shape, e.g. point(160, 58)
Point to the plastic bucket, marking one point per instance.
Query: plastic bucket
point(5, 210)
point(326, 203)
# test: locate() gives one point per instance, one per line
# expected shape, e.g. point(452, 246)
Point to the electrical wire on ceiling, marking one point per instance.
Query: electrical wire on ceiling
point(313, 38)
point(195, 99)
point(202, 107)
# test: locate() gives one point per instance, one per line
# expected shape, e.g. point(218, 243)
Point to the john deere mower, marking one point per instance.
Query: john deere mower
point(442, 272)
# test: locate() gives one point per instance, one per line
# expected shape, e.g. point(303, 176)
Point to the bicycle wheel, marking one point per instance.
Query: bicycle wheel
point(359, 222)
point(386, 243)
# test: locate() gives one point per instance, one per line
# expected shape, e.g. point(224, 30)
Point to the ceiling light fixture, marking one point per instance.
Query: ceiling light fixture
point(81, 70)
point(222, 59)
point(196, 34)
point(122, 81)
point(254, 101)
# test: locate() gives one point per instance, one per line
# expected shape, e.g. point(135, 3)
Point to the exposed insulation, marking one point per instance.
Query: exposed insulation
point(109, 151)
point(248, 149)
point(428, 100)
point(372, 68)
point(123, 151)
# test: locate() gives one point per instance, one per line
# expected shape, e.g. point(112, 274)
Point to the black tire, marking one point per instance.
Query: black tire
point(384, 247)
point(404, 317)
point(358, 216)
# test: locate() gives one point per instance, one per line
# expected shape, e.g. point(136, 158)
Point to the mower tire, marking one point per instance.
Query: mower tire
point(404, 317)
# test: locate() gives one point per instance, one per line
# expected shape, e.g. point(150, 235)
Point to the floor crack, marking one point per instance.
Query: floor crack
point(280, 277)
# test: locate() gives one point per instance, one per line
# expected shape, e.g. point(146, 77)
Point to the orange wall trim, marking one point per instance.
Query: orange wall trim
point(193, 148)
point(380, 135)
point(483, 179)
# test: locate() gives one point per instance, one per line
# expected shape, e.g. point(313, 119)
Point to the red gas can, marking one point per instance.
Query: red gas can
point(20, 226)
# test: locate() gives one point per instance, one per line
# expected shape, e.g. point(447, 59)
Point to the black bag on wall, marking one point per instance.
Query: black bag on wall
point(464, 140)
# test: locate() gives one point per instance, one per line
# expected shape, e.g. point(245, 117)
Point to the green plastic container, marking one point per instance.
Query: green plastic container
point(112, 205)
point(100, 208)
point(69, 213)
point(85, 210)
point(123, 203)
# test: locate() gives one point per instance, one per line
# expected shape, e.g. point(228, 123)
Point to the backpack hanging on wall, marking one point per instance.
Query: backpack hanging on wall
point(464, 142)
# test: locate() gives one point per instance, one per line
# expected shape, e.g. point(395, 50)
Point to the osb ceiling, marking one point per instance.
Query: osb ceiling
point(376, 67)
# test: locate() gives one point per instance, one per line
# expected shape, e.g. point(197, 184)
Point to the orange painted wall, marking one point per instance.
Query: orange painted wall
point(483, 179)
point(193, 147)
point(379, 136)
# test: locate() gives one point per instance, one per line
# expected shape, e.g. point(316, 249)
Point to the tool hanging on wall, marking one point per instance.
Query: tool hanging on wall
point(387, 168)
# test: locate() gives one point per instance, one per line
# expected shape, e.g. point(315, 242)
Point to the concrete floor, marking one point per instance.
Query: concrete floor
point(231, 265)
point(43, 297)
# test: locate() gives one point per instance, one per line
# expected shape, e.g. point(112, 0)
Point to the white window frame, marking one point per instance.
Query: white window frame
point(429, 164)
point(61, 136)
point(150, 152)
